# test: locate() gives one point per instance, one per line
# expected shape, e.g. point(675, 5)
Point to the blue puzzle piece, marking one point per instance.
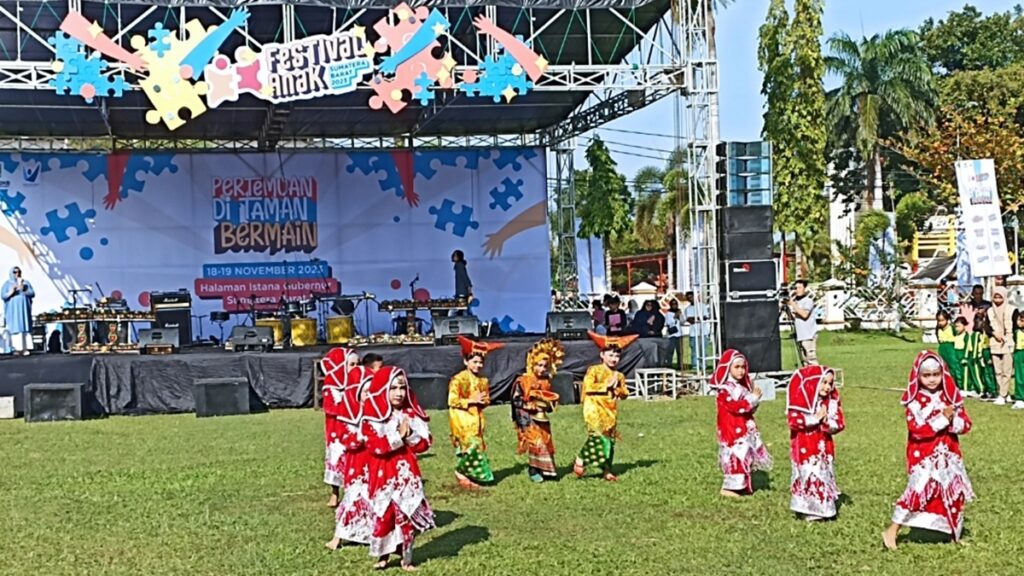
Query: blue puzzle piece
point(96, 166)
point(510, 157)
point(508, 325)
point(460, 221)
point(131, 182)
point(424, 93)
point(160, 41)
point(9, 163)
point(368, 163)
point(503, 198)
point(161, 162)
point(76, 220)
point(12, 203)
point(79, 70)
point(498, 73)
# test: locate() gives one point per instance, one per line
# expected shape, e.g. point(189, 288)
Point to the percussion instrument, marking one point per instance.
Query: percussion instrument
point(304, 332)
point(220, 316)
point(435, 304)
point(340, 329)
point(278, 327)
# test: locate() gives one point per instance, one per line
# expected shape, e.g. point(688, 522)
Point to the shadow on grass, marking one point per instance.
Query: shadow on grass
point(500, 475)
point(843, 500)
point(443, 518)
point(922, 536)
point(760, 480)
point(449, 544)
point(622, 469)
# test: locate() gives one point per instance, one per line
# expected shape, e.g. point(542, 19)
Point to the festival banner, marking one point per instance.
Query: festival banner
point(243, 232)
point(982, 217)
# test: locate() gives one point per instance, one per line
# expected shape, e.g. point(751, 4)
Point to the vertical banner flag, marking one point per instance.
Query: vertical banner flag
point(982, 218)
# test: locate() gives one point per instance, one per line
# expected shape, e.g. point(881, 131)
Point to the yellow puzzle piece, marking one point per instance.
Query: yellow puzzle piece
point(167, 86)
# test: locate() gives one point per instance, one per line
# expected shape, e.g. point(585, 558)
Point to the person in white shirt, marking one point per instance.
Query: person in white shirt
point(805, 324)
point(674, 332)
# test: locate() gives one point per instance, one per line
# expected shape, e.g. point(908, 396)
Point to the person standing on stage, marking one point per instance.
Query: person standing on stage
point(17, 295)
point(463, 285)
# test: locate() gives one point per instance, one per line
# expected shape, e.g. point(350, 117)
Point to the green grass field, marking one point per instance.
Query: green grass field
point(242, 495)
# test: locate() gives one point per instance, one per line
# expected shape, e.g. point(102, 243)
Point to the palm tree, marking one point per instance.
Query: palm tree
point(887, 88)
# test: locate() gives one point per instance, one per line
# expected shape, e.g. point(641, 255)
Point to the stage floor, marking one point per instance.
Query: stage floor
point(135, 384)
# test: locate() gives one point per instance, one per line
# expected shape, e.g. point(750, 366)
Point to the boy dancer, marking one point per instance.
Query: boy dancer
point(468, 395)
point(602, 388)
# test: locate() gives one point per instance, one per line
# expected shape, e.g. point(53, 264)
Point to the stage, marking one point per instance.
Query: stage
point(134, 385)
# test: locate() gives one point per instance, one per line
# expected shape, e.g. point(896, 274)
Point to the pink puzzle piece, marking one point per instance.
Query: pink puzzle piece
point(222, 81)
point(248, 77)
point(392, 92)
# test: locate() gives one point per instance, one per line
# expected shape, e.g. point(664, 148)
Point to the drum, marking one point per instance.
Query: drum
point(220, 317)
point(294, 309)
point(276, 325)
point(303, 332)
point(340, 329)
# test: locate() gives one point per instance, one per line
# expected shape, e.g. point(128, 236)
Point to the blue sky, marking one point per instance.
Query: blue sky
point(740, 81)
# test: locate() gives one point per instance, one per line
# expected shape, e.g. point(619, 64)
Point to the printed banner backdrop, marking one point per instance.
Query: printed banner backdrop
point(983, 220)
point(230, 227)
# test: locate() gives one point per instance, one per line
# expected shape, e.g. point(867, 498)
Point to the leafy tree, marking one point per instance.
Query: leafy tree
point(603, 203)
point(887, 88)
point(968, 134)
point(912, 211)
point(969, 40)
point(790, 58)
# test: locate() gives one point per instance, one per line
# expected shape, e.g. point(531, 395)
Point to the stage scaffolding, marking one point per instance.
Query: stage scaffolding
point(669, 54)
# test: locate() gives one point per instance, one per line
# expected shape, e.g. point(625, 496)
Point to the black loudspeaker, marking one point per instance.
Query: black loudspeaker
point(752, 327)
point(746, 233)
point(252, 338)
point(563, 385)
point(750, 279)
point(447, 328)
point(52, 402)
point(747, 246)
point(747, 219)
point(431, 390)
point(569, 325)
point(180, 318)
point(221, 396)
point(159, 337)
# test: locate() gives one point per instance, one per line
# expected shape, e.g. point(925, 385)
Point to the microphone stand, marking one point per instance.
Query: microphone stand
point(410, 316)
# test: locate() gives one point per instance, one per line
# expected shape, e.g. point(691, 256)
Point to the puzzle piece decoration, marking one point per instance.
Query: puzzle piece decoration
point(222, 81)
point(8, 162)
point(423, 91)
point(503, 198)
point(167, 86)
point(135, 166)
point(79, 74)
point(160, 45)
point(461, 221)
point(75, 220)
point(532, 63)
point(91, 34)
point(500, 76)
point(382, 164)
point(203, 53)
point(411, 40)
point(12, 203)
point(508, 325)
point(510, 157)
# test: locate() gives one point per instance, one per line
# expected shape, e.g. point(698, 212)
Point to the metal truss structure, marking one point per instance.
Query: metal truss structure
point(675, 56)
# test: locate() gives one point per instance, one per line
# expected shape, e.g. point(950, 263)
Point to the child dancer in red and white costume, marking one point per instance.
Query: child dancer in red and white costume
point(335, 367)
point(815, 415)
point(937, 487)
point(396, 430)
point(354, 519)
point(740, 449)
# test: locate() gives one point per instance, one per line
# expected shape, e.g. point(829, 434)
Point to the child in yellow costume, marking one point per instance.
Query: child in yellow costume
point(603, 387)
point(468, 395)
point(532, 401)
